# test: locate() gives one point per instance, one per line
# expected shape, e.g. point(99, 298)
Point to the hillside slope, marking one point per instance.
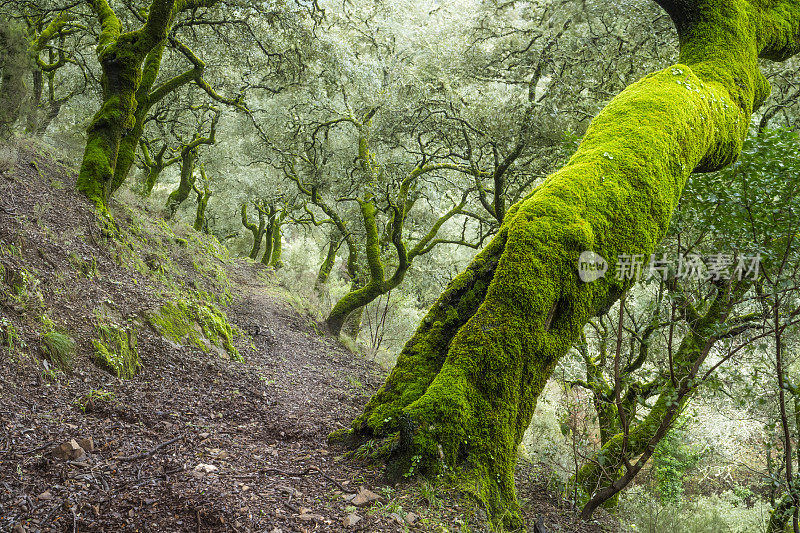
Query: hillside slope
point(230, 393)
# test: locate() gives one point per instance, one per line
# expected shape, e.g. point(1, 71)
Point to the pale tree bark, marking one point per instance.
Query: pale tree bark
point(466, 385)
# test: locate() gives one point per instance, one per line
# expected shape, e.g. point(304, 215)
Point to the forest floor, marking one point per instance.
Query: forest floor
point(196, 441)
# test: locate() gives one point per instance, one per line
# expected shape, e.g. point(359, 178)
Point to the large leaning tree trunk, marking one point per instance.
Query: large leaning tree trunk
point(465, 386)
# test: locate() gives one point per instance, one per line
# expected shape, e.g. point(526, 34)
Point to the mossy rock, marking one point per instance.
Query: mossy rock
point(86, 265)
point(59, 349)
point(195, 323)
point(15, 278)
point(115, 350)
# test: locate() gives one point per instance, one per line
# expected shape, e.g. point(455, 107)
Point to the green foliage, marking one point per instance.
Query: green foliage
point(726, 513)
point(674, 457)
point(413, 466)
point(363, 452)
point(751, 203)
point(428, 493)
point(20, 281)
point(58, 348)
point(216, 328)
point(10, 338)
point(86, 265)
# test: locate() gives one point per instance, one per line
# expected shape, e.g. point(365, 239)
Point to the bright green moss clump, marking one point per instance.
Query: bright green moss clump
point(195, 323)
point(216, 328)
point(115, 350)
point(173, 321)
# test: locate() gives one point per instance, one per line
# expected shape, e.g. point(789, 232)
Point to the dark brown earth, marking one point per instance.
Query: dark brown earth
point(259, 426)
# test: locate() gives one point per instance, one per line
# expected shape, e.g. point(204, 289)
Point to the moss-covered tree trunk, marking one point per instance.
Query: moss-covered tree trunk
point(44, 110)
point(188, 157)
point(121, 56)
point(364, 291)
point(200, 215)
point(107, 128)
point(258, 231)
point(45, 30)
point(353, 322)
point(337, 317)
point(185, 186)
point(269, 234)
point(130, 139)
point(351, 326)
point(374, 281)
point(273, 245)
point(466, 385)
point(276, 240)
point(154, 166)
point(326, 266)
point(130, 64)
point(150, 180)
point(203, 196)
point(14, 66)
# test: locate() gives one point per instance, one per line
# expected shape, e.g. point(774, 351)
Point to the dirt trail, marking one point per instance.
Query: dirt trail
point(244, 422)
point(253, 423)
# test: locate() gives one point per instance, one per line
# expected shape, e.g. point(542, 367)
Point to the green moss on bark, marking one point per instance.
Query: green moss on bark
point(327, 264)
point(257, 230)
point(127, 60)
point(782, 514)
point(362, 292)
point(188, 178)
point(200, 223)
point(277, 244)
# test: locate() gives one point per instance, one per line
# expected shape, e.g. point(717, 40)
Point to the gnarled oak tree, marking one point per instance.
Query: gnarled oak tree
point(465, 386)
